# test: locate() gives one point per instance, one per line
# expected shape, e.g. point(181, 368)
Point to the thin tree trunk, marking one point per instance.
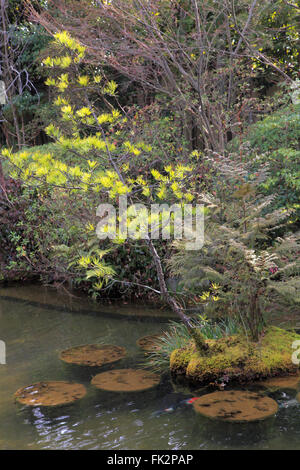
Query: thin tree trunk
point(195, 333)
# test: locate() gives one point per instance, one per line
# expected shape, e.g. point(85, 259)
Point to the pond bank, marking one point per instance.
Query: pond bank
point(54, 299)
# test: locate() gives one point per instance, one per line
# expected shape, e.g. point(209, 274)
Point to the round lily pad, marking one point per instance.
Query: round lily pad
point(149, 343)
point(93, 354)
point(50, 393)
point(291, 382)
point(126, 380)
point(235, 406)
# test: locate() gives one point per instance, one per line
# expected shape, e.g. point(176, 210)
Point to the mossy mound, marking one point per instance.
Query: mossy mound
point(93, 354)
point(236, 406)
point(50, 393)
point(149, 343)
point(126, 380)
point(290, 382)
point(236, 358)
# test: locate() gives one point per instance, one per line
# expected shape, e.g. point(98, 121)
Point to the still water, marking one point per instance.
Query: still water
point(36, 324)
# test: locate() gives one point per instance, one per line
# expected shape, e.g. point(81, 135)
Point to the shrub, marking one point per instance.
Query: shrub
point(275, 143)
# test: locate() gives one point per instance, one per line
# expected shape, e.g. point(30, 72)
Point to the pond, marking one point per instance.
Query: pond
point(37, 324)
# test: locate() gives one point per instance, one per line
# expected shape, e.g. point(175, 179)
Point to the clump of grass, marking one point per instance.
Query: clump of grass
point(178, 337)
point(217, 330)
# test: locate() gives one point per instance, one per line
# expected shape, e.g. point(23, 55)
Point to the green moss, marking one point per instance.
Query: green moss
point(237, 358)
point(180, 359)
point(199, 339)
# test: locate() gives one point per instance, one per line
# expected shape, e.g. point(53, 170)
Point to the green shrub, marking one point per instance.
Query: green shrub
point(275, 142)
point(279, 130)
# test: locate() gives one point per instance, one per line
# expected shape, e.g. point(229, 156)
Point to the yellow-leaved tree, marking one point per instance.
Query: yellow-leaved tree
point(104, 164)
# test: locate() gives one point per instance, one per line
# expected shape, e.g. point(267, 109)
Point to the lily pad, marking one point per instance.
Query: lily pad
point(236, 406)
point(93, 354)
point(290, 382)
point(149, 343)
point(126, 380)
point(50, 393)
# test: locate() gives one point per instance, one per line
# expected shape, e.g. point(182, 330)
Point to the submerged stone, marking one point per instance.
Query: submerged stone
point(290, 382)
point(236, 359)
point(236, 406)
point(50, 393)
point(93, 354)
point(126, 380)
